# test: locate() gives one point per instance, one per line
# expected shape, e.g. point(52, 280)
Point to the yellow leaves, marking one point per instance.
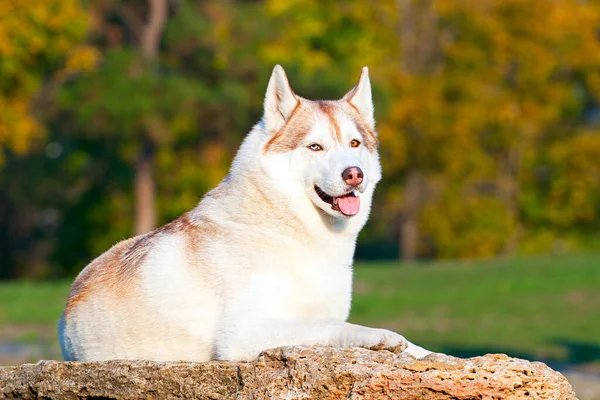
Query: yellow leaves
point(293, 42)
point(82, 59)
point(34, 27)
point(471, 227)
point(6, 44)
point(34, 36)
point(279, 52)
point(215, 159)
point(17, 128)
point(546, 241)
point(513, 75)
point(393, 148)
point(221, 31)
point(593, 83)
point(278, 7)
point(575, 190)
point(196, 171)
point(316, 34)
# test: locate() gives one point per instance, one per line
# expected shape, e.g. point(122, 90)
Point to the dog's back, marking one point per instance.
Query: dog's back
point(131, 302)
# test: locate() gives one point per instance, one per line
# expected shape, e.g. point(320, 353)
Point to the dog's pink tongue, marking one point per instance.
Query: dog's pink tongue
point(348, 205)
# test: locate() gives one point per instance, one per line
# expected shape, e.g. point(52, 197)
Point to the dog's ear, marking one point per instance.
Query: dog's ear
point(360, 97)
point(280, 101)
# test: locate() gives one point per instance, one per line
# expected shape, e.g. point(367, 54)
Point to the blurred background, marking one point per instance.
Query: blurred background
point(117, 116)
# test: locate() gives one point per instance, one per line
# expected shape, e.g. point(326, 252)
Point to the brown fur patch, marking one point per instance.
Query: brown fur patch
point(369, 137)
point(290, 134)
point(101, 272)
point(329, 109)
point(300, 122)
point(117, 268)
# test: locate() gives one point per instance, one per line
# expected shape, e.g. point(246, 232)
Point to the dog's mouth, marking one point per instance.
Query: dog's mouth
point(348, 204)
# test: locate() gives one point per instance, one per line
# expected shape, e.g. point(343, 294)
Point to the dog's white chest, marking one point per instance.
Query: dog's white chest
point(322, 291)
point(316, 290)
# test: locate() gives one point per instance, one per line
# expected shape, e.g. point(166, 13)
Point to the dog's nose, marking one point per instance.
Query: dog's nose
point(353, 176)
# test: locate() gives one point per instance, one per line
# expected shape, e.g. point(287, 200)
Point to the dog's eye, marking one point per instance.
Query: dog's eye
point(354, 143)
point(315, 147)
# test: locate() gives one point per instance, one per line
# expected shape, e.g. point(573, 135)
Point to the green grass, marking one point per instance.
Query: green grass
point(539, 308)
point(32, 303)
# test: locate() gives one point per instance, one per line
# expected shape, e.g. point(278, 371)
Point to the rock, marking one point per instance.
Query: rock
point(292, 373)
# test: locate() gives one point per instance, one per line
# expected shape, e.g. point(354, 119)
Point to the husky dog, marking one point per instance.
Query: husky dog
point(264, 260)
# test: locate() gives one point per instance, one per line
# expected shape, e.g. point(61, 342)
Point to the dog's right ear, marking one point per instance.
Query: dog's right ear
point(280, 101)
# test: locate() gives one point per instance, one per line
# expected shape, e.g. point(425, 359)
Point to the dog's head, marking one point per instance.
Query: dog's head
point(326, 150)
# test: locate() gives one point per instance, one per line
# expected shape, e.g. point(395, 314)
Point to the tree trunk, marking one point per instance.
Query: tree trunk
point(145, 216)
point(154, 27)
point(418, 41)
point(508, 191)
point(409, 222)
point(145, 208)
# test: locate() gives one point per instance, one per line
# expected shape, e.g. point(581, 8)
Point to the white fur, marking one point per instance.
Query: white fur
point(280, 100)
point(360, 96)
point(279, 271)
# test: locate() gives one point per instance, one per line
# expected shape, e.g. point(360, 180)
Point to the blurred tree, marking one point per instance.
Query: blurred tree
point(488, 120)
point(130, 74)
point(159, 97)
point(525, 89)
point(490, 97)
point(151, 34)
point(419, 42)
point(474, 94)
point(34, 39)
point(196, 94)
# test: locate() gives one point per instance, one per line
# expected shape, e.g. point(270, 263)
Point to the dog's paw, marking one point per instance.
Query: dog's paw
point(390, 341)
point(381, 339)
point(416, 351)
point(376, 339)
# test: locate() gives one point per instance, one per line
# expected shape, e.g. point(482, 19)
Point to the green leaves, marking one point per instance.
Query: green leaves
point(123, 94)
point(492, 104)
point(34, 39)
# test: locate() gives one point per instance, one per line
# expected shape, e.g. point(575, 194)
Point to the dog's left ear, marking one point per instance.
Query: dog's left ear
point(280, 101)
point(360, 97)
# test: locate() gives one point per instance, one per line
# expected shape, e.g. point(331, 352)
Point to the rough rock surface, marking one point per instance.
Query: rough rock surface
point(292, 373)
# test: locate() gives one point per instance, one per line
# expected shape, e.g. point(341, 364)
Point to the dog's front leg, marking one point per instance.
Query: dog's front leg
point(245, 341)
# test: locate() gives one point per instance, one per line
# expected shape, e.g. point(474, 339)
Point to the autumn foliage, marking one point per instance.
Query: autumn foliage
point(488, 115)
